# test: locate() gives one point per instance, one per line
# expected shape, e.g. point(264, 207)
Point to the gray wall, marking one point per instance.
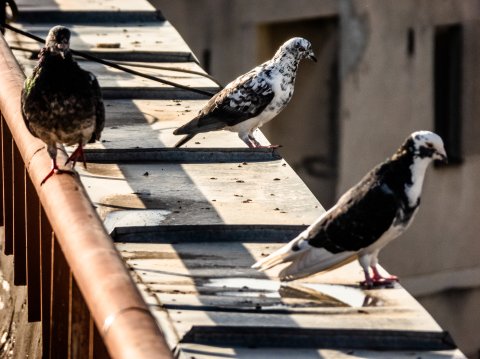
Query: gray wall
point(384, 94)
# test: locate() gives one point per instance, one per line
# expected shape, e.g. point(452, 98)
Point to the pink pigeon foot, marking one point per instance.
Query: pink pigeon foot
point(56, 170)
point(377, 281)
point(76, 155)
point(378, 278)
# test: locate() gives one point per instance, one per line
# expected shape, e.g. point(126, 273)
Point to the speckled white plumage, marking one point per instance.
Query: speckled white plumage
point(254, 98)
point(281, 85)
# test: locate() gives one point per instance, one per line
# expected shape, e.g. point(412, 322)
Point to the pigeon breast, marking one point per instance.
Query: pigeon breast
point(62, 102)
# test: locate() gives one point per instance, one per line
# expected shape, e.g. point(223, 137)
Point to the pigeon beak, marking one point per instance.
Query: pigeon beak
point(62, 48)
point(441, 157)
point(312, 57)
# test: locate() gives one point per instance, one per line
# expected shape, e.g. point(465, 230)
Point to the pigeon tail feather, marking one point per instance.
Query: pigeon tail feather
point(282, 255)
point(200, 125)
point(184, 140)
point(183, 130)
point(313, 261)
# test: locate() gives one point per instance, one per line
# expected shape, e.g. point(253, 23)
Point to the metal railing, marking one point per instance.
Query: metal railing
point(75, 278)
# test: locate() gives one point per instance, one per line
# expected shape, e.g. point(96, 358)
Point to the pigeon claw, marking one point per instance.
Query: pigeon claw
point(377, 277)
point(56, 171)
point(76, 155)
point(377, 280)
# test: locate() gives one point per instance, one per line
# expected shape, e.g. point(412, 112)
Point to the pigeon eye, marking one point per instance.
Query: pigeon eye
point(429, 144)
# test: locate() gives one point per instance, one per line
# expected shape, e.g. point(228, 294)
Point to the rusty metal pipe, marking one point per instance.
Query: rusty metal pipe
point(122, 316)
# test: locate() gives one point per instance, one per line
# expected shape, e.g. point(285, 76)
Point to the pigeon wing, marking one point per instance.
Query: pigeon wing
point(28, 85)
point(99, 109)
point(359, 219)
point(23, 97)
point(241, 100)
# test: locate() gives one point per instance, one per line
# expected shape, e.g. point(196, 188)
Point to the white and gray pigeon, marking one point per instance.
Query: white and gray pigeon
point(365, 219)
point(252, 99)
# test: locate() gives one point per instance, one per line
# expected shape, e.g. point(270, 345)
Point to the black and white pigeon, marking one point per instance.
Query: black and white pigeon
point(366, 218)
point(252, 99)
point(62, 103)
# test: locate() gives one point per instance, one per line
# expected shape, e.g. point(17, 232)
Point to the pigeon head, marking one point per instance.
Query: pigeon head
point(299, 47)
point(58, 40)
point(426, 144)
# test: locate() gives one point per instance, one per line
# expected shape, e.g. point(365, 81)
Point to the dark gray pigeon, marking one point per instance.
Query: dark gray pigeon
point(252, 99)
point(366, 218)
point(61, 103)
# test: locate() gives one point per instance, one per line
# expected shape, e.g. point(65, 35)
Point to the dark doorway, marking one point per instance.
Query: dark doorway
point(448, 88)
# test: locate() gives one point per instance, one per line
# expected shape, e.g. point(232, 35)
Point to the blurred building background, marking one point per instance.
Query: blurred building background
point(386, 68)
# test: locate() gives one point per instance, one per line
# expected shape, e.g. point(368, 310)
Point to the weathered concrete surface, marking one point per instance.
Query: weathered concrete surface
point(18, 338)
point(385, 93)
